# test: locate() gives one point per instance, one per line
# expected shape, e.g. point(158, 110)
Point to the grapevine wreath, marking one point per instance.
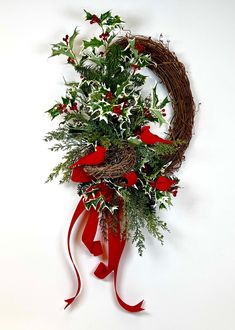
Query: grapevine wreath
point(124, 172)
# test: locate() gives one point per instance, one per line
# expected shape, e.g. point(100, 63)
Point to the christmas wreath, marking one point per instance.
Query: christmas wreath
point(123, 170)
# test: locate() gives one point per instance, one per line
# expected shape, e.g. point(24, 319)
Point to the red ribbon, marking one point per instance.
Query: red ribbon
point(78, 211)
point(116, 244)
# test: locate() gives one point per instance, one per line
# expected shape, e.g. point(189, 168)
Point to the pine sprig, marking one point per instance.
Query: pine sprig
point(140, 215)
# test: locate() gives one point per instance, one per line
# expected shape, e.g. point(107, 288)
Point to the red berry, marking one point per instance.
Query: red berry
point(135, 67)
point(147, 112)
point(125, 104)
point(104, 36)
point(61, 107)
point(95, 19)
point(139, 47)
point(117, 109)
point(109, 96)
point(65, 39)
point(70, 60)
point(74, 106)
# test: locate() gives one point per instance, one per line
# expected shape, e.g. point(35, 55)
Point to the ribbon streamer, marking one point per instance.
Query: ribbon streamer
point(116, 245)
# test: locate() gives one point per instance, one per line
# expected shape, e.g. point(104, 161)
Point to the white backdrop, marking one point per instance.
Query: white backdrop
point(189, 284)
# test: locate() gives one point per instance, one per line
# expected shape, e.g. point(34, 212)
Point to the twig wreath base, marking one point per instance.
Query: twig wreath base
point(173, 75)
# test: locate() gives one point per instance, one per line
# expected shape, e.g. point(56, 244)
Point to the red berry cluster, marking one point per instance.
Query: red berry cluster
point(117, 109)
point(174, 191)
point(62, 108)
point(104, 36)
point(95, 19)
point(70, 60)
point(147, 113)
point(108, 96)
point(135, 67)
point(66, 39)
point(124, 102)
point(139, 47)
point(74, 106)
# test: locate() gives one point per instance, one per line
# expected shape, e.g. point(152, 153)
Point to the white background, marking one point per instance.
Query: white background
point(189, 284)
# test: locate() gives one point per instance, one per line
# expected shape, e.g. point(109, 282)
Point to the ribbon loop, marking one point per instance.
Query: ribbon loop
point(89, 233)
point(102, 271)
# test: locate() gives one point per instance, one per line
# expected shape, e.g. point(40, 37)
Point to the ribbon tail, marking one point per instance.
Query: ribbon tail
point(78, 211)
point(90, 231)
point(118, 243)
point(129, 308)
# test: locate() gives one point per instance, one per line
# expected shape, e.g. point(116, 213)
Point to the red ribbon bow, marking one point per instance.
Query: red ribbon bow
point(116, 241)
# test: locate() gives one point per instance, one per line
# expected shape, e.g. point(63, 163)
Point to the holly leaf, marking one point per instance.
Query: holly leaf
point(162, 206)
point(154, 96)
point(72, 38)
point(53, 112)
point(116, 20)
point(65, 100)
point(88, 15)
point(134, 140)
point(105, 15)
point(94, 42)
point(61, 49)
point(132, 43)
point(159, 116)
point(164, 103)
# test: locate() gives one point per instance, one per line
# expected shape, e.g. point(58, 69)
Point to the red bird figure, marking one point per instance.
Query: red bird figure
point(79, 175)
point(131, 178)
point(149, 138)
point(94, 158)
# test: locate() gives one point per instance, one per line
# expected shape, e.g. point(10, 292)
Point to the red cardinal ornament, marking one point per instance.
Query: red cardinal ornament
point(79, 175)
point(94, 158)
point(163, 183)
point(131, 178)
point(149, 138)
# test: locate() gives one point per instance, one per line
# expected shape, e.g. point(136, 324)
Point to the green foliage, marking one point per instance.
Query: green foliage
point(63, 167)
point(140, 215)
point(61, 49)
point(72, 38)
point(53, 112)
point(163, 103)
point(93, 43)
point(88, 15)
point(106, 107)
point(89, 72)
point(106, 19)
